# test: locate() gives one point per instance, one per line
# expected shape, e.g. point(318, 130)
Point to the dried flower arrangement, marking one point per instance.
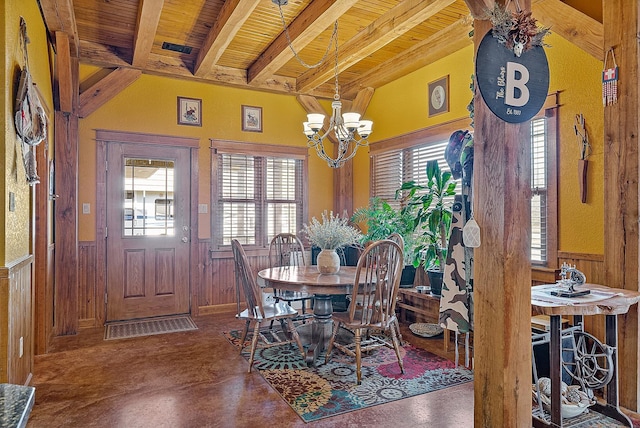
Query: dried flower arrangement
point(332, 232)
point(517, 31)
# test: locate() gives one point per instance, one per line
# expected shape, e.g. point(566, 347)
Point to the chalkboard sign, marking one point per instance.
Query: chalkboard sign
point(514, 88)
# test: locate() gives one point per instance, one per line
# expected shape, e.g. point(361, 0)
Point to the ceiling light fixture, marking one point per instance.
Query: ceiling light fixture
point(350, 132)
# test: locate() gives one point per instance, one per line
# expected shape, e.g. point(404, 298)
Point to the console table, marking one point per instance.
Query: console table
point(612, 302)
point(426, 304)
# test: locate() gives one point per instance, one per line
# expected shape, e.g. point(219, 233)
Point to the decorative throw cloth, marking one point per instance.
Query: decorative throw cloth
point(455, 311)
point(331, 389)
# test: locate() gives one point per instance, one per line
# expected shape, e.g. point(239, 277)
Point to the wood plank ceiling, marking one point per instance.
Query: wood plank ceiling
point(242, 43)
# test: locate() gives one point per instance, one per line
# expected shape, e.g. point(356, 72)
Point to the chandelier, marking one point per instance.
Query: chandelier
point(344, 128)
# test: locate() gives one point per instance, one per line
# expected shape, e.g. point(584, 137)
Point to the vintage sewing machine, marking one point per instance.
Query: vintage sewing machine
point(570, 277)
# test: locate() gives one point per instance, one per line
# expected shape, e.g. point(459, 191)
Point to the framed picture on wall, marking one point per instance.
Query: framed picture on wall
point(438, 96)
point(252, 119)
point(189, 111)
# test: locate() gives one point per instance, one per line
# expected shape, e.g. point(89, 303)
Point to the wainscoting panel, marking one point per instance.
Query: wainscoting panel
point(16, 321)
point(88, 312)
point(217, 277)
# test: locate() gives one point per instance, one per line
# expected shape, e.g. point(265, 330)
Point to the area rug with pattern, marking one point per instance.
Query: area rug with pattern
point(148, 327)
point(330, 389)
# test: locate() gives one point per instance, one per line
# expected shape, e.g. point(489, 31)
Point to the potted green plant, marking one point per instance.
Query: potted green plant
point(432, 219)
point(381, 220)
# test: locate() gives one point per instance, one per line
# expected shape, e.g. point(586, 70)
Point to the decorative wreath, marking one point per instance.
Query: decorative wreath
point(517, 31)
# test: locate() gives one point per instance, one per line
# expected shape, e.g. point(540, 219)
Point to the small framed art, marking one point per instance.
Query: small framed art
point(252, 119)
point(438, 95)
point(189, 111)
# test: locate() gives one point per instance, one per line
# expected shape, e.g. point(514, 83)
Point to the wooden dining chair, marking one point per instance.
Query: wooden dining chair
point(257, 311)
point(373, 303)
point(286, 249)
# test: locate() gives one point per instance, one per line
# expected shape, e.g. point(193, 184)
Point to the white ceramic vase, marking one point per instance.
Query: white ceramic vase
point(328, 261)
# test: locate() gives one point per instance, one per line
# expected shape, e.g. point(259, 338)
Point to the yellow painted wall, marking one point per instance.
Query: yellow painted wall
point(15, 224)
point(401, 107)
point(149, 106)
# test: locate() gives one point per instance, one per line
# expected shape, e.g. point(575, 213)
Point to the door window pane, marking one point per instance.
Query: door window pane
point(148, 197)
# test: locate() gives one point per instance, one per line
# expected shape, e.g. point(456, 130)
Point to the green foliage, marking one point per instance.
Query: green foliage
point(382, 220)
point(432, 216)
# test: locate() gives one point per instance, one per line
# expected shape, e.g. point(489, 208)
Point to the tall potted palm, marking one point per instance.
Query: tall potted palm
point(433, 214)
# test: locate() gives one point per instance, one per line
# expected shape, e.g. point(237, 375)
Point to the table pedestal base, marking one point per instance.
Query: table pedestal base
point(321, 328)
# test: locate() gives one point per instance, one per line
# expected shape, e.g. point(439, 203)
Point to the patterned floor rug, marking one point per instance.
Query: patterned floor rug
point(148, 327)
point(330, 389)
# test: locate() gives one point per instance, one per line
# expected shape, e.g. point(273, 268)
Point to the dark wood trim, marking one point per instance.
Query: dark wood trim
point(228, 146)
point(581, 256)
point(101, 232)
point(194, 272)
point(431, 134)
point(144, 138)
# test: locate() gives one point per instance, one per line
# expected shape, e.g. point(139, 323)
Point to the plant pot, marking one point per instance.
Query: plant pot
point(435, 279)
point(328, 262)
point(408, 276)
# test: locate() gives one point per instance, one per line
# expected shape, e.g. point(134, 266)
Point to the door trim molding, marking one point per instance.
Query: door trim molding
point(103, 137)
point(106, 135)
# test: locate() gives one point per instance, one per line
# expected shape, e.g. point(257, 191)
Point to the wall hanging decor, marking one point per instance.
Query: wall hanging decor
point(585, 150)
point(30, 118)
point(438, 94)
point(252, 118)
point(609, 80)
point(189, 111)
point(512, 71)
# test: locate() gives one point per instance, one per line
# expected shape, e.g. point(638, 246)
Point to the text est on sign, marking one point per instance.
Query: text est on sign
point(514, 88)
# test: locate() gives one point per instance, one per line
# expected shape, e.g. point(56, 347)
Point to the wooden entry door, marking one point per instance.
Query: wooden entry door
point(147, 216)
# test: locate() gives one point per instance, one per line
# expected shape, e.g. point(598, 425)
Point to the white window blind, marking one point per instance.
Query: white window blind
point(392, 168)
point(257, 197)
point(539, 191)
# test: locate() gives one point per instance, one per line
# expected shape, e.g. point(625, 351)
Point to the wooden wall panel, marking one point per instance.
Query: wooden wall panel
point(87, 285)
point(16, 321)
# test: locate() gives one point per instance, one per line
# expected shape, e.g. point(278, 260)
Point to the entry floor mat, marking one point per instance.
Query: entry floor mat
point(148, 327)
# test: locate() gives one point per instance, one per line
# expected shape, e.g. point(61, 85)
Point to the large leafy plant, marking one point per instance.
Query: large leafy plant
point(382, 220)
point(432, 215)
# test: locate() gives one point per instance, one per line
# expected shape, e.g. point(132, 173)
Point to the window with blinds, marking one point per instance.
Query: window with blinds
point(539, 190)
point(257, 198)
point(391, 169)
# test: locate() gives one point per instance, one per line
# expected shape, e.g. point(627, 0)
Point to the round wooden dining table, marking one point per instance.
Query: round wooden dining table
point(322, 286)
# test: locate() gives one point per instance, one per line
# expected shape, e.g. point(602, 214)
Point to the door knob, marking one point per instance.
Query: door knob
point(185, 239)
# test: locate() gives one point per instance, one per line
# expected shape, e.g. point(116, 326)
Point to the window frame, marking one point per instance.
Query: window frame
point(259, 150)
point(550, 112)
point(437, 133)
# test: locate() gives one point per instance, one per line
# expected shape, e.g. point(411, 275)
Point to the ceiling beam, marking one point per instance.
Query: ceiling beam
point(233, 14)
point(361, 101)
point(60, 17)
point(109, 57)
point(443, 43)
point(479, 8)
point(107, 88)
point(146, 26)
point(573, 25)
point(379, 33)
point(311, 22)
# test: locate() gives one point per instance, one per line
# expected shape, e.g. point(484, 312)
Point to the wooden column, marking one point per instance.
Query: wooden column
point(620, 20)
point(66, 205)
point(502, 269)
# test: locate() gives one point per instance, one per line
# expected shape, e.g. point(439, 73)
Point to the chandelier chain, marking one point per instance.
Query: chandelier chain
point(334, 37)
